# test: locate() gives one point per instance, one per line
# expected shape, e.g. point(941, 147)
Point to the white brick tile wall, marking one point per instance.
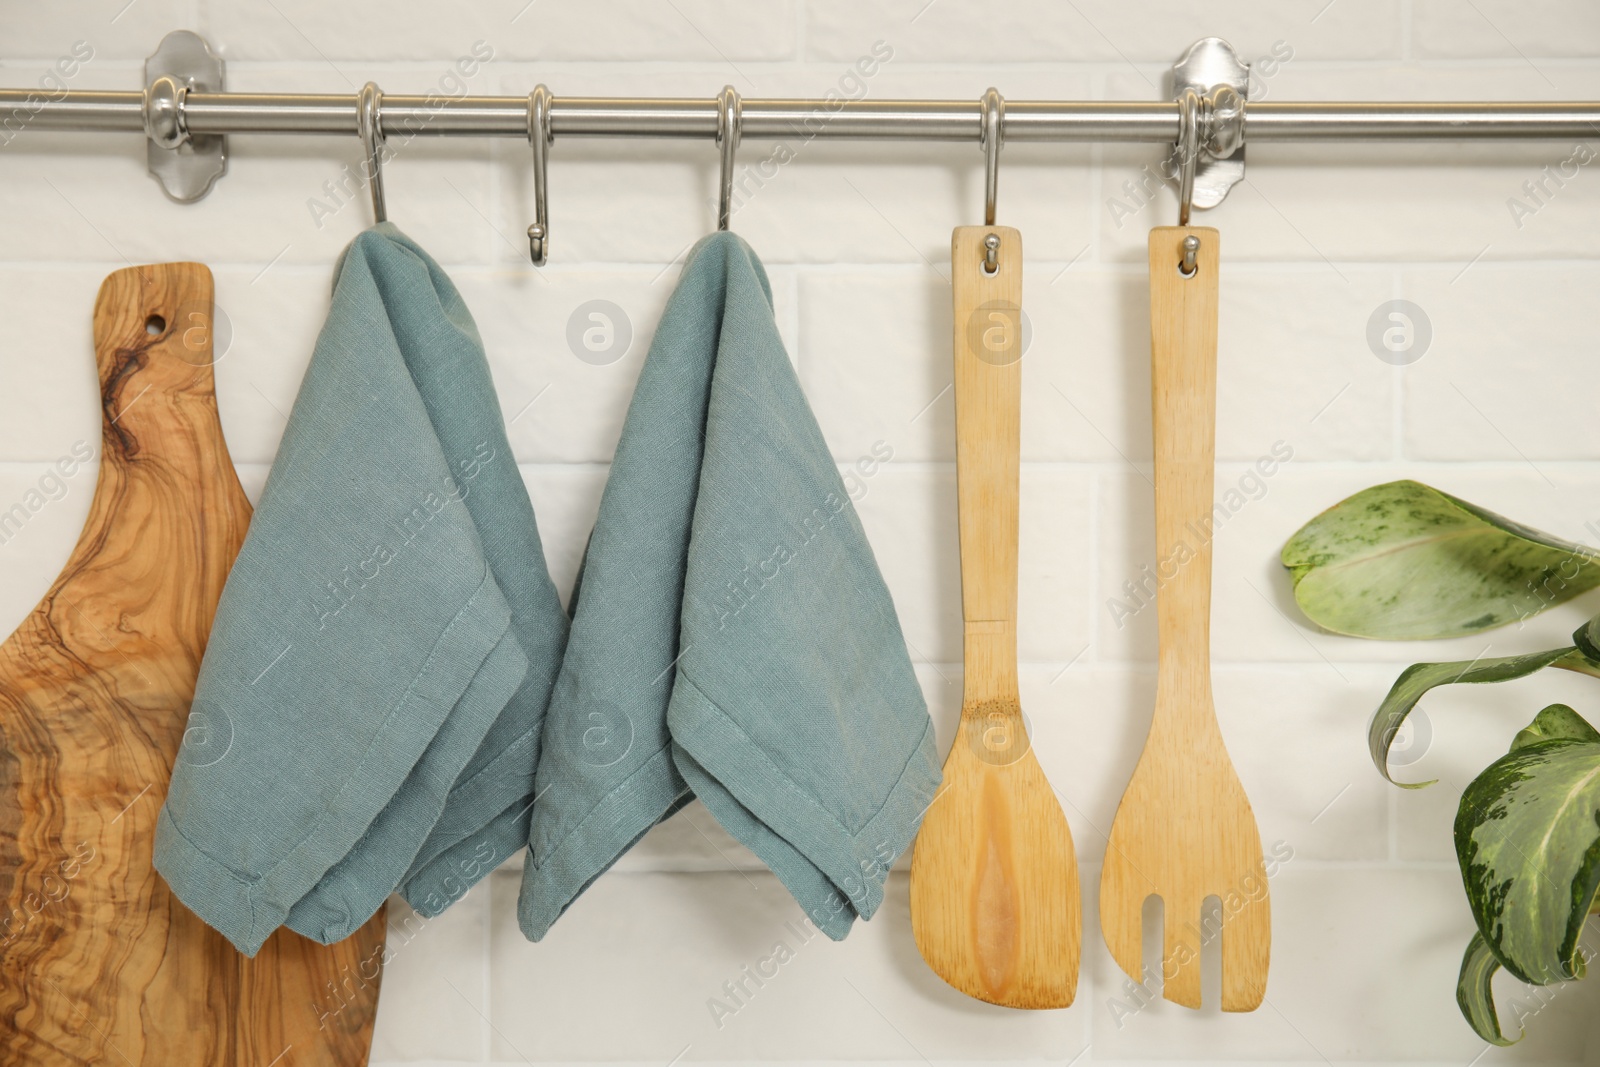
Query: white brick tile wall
point(1096, 30)
point(1305, 378)
point(435, 983)
point(30, 430)
point(601, 30)
point(899, 395)
point(117, 29)
point(1505, 339)
point(1333, 809)
point(1489, 29)
point(657, 948)
point(1369, 918)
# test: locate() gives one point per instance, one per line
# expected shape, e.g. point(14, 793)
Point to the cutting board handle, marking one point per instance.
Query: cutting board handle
point(154, 348)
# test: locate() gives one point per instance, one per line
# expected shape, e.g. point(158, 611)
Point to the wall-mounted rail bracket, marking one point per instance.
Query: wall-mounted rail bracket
point(1209, 63)
point(186, 165)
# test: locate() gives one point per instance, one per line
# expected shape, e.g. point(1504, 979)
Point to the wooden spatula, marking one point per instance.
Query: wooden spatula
point(1185, 831)
point(99, 962)
point(994, 883)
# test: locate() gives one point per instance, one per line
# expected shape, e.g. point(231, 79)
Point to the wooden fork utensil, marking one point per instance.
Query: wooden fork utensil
point(1184, 831)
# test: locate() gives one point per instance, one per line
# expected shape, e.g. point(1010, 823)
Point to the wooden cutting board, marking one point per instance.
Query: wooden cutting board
point(99, 962)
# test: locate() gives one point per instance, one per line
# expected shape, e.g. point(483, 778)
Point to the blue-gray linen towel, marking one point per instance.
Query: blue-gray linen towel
point(732, 638)
point(369, 707)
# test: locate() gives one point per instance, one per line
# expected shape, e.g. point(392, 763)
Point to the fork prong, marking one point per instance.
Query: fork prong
point(1180, 956)
point(1122, 897)
point(1246, 945)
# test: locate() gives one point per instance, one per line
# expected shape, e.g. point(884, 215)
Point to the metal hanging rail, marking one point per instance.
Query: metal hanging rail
point(186, 118)
point(881, 120)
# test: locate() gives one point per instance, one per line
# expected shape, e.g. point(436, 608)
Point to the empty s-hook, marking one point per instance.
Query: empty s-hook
point(539, 136)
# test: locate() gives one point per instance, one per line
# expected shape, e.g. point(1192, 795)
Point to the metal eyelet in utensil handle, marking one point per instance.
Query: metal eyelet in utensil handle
point(991, 253)
point(728, 115)
point(1191, 249)
point(369, 104)
point(539, 136)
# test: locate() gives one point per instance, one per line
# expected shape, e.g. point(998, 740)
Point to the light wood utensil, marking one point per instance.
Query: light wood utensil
point(1184, 830)
point(994, 883)
point(99, 962)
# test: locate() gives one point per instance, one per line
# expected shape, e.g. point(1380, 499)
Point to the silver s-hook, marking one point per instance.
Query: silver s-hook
point(539, 136)
point(1190, 104)
point(992, 106)
point(728, 121)
point(992, 110)
point(1188, 151)
point(369, 104)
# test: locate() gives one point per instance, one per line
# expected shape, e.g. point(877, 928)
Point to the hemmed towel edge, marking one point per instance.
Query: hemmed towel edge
point(550, 883)
point(247, 909)
point(472, 802)
point(347, 896)
point(857, 864)
point(429, 889)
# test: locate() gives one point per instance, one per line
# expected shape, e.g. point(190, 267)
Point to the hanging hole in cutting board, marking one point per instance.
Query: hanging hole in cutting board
point(155, 325)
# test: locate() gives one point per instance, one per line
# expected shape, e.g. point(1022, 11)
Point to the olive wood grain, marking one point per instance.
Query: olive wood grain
point(99, 962)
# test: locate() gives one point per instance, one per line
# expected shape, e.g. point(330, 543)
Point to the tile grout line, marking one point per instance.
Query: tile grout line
point(492, 208)
point(486, 1028)
point(1585, 468)
point(1392, 819)
point(1397, 400)
point(1252, 268)
point(1096, 549)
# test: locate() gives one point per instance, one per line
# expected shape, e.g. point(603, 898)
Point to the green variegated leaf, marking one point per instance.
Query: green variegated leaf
point(1421, 677)
point(1587, 638)
point(1404, 561)
point(1528, 842)
point(1475, 995)
point(1577, 661)
point(1555, 722)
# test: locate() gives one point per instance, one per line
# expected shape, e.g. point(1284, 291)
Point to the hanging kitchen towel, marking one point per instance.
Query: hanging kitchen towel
point(376, 678)
point(731, 634)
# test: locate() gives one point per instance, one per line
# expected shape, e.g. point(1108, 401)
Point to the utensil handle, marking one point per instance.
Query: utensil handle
point(987, 327)
point(1183, 380)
